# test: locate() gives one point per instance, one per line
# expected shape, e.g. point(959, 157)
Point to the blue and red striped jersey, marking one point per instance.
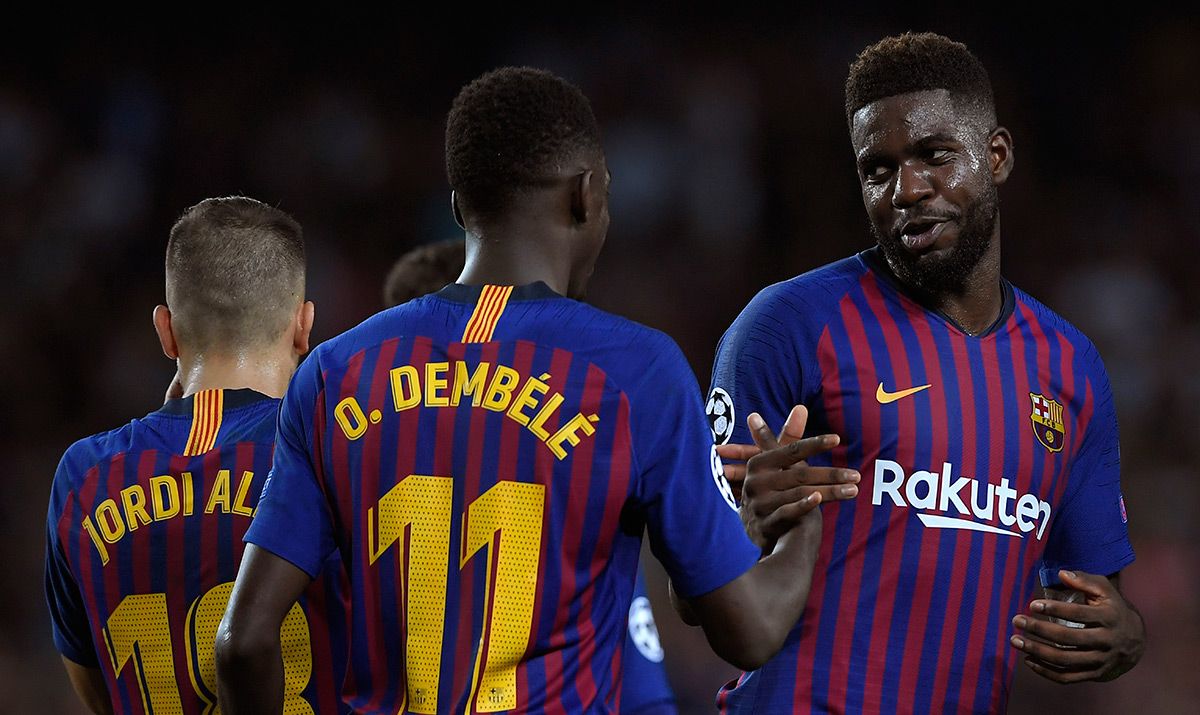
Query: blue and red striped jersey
point(986, 461)
point(644, 686)
point(144, 538)
point(486, 459)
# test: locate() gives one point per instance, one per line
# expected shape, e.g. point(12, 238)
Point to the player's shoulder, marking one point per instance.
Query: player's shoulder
point(809, 297)
point(87, 452)
point(1053, 324)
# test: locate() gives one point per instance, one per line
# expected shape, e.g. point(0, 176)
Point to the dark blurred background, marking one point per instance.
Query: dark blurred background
point(731, 164)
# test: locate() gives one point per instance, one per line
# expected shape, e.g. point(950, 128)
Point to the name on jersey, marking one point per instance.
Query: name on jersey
point(166, 497)
point(526, 400)
point(942, 492)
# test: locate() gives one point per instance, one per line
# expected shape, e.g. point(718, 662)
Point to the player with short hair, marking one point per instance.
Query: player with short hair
point(644, 687)
point(981, 421)
point(487, 458)
point(145, 525)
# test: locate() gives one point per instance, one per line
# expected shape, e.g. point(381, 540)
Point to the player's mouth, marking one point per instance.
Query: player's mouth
point(918, 235)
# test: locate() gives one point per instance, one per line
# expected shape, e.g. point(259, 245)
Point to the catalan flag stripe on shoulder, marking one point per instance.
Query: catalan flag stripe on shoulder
point(482, 324)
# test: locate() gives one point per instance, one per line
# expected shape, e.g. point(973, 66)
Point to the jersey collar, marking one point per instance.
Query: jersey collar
point(460, 293)
point(232, 400)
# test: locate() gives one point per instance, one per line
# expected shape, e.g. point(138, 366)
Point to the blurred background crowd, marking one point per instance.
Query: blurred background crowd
point(731, 170)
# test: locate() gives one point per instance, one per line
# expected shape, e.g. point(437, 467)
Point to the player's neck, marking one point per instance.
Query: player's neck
point(517, 255)
point(977, 306)
point(264, 372)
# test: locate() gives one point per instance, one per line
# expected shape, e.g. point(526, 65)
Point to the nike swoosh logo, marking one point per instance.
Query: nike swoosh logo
point(885, 397)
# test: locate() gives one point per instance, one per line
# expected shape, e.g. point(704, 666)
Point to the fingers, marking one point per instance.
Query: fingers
point(765, 502)
point(738, 451)
point(1090, 584)
point(793, 427)
point(735, 473)
point(1061, 676)
point(1078, 612)
point(762, 434)
point(785, 517)
point(1057, 658)
point(1084, 638)
point(795, 452)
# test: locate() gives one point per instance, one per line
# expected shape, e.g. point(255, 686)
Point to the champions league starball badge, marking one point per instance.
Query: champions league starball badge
point(719, 409)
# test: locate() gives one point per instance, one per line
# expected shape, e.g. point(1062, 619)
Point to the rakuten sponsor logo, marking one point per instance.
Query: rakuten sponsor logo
point(934, 492)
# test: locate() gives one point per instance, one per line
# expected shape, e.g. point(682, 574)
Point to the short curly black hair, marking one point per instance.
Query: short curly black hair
point(508, 130)
point(423, 270)
point(914, 62)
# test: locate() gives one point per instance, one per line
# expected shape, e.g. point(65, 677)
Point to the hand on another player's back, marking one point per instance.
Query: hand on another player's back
point(1110, 642)
point(776, 479)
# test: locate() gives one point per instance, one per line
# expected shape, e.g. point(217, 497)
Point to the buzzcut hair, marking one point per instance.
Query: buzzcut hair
point(235, 274)
point(510, 130)
point(423, 270)
point(915, 62)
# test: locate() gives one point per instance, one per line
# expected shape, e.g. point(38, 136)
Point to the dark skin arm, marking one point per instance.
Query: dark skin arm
point(249, 659)
point(747, 620)
point(1110, 644)
point(89, 686)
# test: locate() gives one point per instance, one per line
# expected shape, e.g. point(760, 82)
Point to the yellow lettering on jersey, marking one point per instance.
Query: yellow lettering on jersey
point(187, 493)
point(164, 496)
point(134, 501)
point(239, 502)
point(109, 520)
point(526, 399)
point(538, 424)
point(434, 385)
point(469, 385)
point(569, 433)
point(90, 528)
point(406, 387)
point(219, 496)
point(499, 392)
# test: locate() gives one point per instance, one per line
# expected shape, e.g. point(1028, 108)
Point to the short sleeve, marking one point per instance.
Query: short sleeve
point(68, 616)
point(644, 686)
point(690, 514)
point(294, 520)
point(758, 367)
point(1089, 533)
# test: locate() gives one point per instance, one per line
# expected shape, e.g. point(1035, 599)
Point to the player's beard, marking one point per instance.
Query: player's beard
point(947, 273)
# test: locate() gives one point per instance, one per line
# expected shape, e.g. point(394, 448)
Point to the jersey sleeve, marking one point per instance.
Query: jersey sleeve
point(691, 518)
point(294, 520)
point(1090, 532)
point(68, 616)
point(758, 367)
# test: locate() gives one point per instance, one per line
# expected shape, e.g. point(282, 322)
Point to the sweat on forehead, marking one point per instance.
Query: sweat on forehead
point(919, 115)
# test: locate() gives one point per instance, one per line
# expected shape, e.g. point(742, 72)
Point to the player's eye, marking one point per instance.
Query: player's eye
point(939, 156)
point(876, 174)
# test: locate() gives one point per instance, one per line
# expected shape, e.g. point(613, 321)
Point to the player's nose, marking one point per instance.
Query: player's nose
point(911, 187)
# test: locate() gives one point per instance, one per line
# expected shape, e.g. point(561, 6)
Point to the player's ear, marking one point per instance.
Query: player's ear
point(303, 326)
point(458, 219)
point(583, 194)
point(1000, 151)
point(166, 333)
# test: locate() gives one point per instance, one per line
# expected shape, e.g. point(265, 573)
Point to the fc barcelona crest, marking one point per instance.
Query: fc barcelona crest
point(1047, 419)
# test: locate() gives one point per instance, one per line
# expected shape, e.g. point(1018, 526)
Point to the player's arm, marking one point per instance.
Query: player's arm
point(89, 686)
point(249, 659)
point(1089, 538)
point(747, 619)
point(1110, 643)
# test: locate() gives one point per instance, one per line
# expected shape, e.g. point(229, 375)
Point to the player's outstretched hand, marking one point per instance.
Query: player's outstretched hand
point(778, 480)
point(1110, 643)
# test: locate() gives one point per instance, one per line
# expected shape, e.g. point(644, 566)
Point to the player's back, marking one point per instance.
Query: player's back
point(145, 537)
point(486, 452)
